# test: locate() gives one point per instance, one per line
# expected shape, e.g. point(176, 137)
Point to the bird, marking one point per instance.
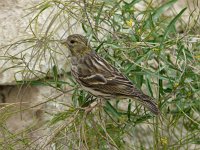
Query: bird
point(98, 77)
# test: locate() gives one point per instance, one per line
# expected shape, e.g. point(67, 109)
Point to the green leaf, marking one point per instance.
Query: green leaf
point(162, 9)
point(99, 46)
point(171, 25)
point(109, 108)
point(59, 117)
point(129, 6)
point(149, 85)
point(99, 14)
point(55, 73)
point(157, 13)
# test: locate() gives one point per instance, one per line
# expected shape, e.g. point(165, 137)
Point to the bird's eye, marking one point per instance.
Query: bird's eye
point(72, 41)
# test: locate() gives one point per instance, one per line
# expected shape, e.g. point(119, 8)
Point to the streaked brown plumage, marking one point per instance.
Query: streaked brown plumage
point(100, 78)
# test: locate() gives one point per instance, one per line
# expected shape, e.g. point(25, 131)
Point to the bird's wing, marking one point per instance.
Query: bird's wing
point(95, 72)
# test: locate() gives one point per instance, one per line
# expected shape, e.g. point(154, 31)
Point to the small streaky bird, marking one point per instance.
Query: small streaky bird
point(100, 78)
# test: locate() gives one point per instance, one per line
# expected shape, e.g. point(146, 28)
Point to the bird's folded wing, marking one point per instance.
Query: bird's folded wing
point(96, 73)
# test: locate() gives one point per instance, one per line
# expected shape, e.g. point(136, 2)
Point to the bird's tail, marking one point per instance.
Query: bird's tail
point(147, 102)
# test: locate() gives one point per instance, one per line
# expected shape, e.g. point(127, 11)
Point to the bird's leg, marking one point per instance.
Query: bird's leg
point(89, 108)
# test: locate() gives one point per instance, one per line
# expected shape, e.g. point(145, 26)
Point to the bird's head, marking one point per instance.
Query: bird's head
point(77, 44)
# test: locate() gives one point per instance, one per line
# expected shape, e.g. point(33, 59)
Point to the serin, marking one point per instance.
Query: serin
point(99, 77)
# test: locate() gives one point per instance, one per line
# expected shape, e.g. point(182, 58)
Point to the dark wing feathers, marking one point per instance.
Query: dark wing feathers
point(96, 73)
point(95, 79)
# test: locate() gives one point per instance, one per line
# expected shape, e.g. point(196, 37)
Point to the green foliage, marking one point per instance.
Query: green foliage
point(147, 47)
